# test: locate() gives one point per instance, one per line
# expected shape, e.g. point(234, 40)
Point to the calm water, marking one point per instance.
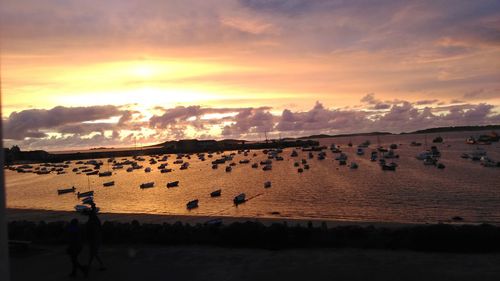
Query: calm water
point(414, 193)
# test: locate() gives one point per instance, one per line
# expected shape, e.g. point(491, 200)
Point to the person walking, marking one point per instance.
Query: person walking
point(94, 237)
point(75, 248)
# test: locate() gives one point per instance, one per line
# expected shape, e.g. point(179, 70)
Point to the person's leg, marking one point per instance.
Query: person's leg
point(74, 265)
point(101, 264)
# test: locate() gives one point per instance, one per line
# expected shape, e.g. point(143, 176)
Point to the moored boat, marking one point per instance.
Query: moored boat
point(66, 190)
point(216, 193)
point(105, 174)
point(192, 204)
point(239, 199)
point(147, 185)
point(173, 184)
point(85, 194)
point(109, 183)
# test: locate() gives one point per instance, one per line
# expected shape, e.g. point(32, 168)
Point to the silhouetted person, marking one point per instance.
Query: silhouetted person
point(75, 247)
point(94, 237)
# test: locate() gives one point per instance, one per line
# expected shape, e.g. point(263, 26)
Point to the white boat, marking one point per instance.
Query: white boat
point(239, 199)
point(147, 185)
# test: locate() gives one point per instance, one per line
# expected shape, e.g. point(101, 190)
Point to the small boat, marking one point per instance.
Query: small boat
point(85, 194)
point(105, 174)
point(84, 209)
point(470, 140)
point(215, 166)
point(414, 143)
point(192, 204)
point(267, 184)
point(165, 171)
point(267, 167)
point(255, 165)
point(437, 140)
point(173, 184)
point(88, 200)
point(228, 169)
point(388, 167)
point(130, 169)
point(390, 154)
point(465, 156)
point(147, 170)
point(341, 156)
point(215, 193)
point(147, 185)
point(239, 199)
point(109, 183)
point(429, 161)
point(92, 173)
point(184, 166)
point(244, 161)
point(66, 190)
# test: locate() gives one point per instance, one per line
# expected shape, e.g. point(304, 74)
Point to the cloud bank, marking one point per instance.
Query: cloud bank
point(76, 127)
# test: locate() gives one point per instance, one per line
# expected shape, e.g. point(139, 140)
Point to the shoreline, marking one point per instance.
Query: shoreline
point(37, 215)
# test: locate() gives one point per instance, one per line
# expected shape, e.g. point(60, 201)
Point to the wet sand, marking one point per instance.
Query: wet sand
point(139, 262)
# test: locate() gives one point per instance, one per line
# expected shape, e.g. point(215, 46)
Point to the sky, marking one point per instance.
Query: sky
point(81, 74)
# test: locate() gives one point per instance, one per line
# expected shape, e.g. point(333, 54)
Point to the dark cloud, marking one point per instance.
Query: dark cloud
point(287, 7)
point(30, 122)
point(250, 121)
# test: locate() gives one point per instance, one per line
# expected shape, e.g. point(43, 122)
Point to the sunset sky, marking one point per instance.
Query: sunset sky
point(78, 74)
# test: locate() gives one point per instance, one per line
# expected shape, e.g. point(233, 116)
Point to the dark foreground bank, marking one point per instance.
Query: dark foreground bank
point(158, 262)
point(436, 238)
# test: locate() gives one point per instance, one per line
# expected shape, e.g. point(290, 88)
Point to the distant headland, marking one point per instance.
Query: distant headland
point(14, 155)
